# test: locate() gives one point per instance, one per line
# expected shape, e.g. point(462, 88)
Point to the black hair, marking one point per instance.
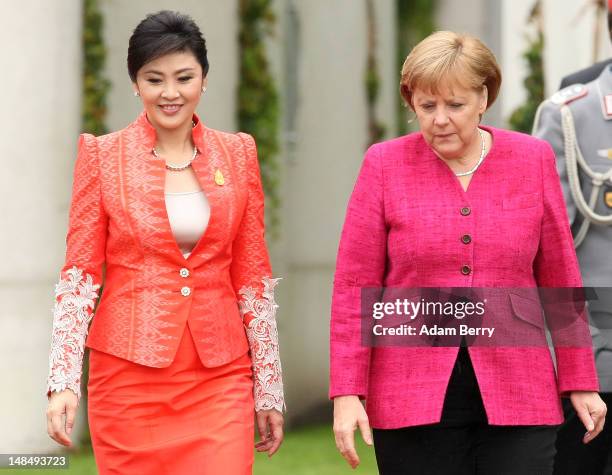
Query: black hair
point(162, 33)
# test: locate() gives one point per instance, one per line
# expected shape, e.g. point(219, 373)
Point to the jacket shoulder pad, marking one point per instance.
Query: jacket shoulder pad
point(569, 94)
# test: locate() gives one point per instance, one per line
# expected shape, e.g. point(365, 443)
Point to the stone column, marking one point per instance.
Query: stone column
point(39, 126)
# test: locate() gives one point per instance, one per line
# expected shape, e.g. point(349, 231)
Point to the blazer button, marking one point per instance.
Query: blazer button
point(185, 291)
point(466, 270)
point(465, 211)
point(466, 239)
point(184, 272)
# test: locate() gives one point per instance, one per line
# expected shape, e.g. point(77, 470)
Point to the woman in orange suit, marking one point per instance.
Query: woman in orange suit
point(184, 346)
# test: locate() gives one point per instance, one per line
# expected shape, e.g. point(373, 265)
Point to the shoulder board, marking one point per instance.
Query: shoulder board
point(569, 94)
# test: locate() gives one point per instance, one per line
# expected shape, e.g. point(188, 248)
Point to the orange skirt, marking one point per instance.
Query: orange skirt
point(185, 418)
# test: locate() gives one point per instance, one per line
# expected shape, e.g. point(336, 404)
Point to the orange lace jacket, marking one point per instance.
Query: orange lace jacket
point(118, 220)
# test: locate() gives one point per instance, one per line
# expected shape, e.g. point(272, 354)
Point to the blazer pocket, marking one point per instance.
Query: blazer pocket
point(528, 200)
point(527, 310)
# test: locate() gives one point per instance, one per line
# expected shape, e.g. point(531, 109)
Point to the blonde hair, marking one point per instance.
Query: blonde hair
point(446, 58)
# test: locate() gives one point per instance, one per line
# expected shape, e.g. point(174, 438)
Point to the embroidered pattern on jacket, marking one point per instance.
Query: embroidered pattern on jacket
point(75, 300)
point(263, 340)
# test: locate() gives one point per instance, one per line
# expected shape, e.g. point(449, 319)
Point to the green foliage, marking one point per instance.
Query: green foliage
point(522, 117)
point(372, 78)
point(258, 102)
point(415, 22)
point(95, 85)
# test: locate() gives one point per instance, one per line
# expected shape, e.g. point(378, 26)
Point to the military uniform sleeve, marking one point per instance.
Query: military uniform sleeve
point(548, 128)
point(80, 278)
point(252, 280)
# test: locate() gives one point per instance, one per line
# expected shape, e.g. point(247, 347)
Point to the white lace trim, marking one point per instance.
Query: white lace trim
point(75, 300)
point(263, 341)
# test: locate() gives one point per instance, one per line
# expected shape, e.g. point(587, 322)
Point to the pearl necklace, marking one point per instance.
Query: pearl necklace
point(482, 156)
point(178, 168)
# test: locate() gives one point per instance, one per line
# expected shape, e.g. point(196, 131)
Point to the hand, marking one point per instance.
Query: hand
point(61, 412)
point(270, 426)
point(592, 412)
point(348, 415)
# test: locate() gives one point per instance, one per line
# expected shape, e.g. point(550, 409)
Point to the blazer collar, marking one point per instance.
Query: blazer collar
point(197, 132)
point(144, 176)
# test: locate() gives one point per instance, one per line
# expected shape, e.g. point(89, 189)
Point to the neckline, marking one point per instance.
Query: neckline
point(455, 178)
point(197, 132)
point(208, 160)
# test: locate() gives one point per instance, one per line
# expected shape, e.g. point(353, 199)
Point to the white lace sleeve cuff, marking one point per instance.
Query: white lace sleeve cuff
point(263, 340)
point(75, 295)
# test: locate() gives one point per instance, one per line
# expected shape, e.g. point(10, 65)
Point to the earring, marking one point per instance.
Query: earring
point(136, 93)
point(203, 89)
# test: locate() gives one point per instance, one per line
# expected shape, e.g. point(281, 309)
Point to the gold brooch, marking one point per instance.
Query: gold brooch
point(219, 180)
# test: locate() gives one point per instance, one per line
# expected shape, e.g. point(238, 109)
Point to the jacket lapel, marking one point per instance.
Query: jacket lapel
point(141, 187)
point(213, 169)
point(142, 194)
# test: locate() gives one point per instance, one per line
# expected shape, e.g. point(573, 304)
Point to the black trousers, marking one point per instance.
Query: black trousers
point(463, 442)
point(574, 457)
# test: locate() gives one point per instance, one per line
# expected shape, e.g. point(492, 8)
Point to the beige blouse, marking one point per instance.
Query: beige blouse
point(188, 213)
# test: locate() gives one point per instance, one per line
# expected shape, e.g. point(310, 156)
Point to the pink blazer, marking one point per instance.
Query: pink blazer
point(403, 228)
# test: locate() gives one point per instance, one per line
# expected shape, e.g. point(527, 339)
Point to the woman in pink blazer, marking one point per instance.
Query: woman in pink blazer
point(168, 215)
point(457, 205)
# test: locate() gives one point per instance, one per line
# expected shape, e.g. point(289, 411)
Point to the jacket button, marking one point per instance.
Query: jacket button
point(184, 272)
point(465, 211)
point(185, 291)
point(466, 239)
point(466, 270)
